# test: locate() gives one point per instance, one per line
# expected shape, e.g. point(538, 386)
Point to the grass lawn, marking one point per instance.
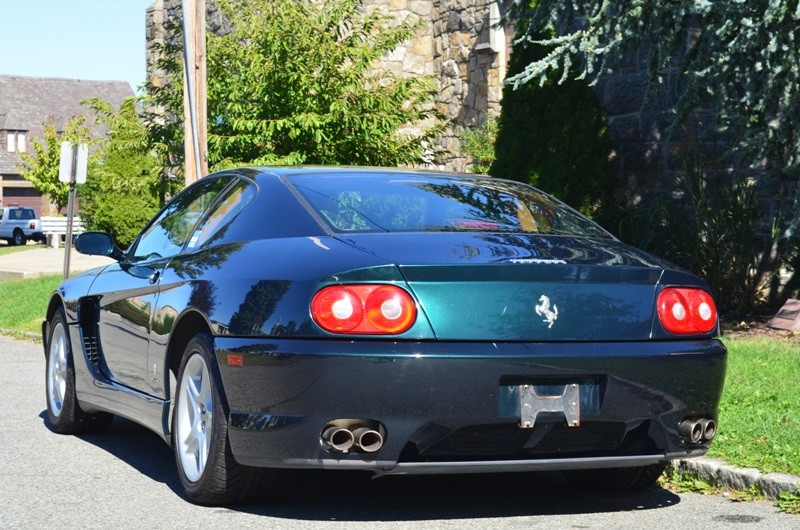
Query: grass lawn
point(759, 417)
point(25, 302)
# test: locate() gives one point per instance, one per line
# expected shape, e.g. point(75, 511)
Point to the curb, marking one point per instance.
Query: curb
point(720, 473)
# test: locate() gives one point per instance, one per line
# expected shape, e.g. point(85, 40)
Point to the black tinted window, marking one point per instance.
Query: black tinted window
point(225, 210)
point(167, 234)
point(394, 203)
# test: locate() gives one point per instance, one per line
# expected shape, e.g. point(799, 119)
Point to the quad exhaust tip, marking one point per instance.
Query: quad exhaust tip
point(360, 435)
point(696, 431)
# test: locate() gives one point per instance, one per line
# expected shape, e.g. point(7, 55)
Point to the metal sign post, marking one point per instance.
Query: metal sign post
point(74, 162)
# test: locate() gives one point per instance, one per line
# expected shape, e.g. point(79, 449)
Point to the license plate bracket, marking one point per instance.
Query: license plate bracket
point(531, 403)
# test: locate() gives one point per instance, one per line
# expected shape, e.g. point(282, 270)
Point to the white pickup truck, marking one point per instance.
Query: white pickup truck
point(18, 224)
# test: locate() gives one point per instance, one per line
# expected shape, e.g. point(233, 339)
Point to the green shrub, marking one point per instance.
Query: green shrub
point(123, 216)
point(555, 137)
point(704, 223)
point(478, 145)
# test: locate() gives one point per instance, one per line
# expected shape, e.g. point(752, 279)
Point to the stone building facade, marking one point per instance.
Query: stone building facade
point(459, 43)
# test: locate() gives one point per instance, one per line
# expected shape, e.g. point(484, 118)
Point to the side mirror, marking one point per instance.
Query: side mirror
point(97, 244)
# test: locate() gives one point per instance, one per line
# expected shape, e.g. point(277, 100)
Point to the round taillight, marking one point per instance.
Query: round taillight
point(365, 309)
point(703, 310)
point(686, 311)
point(337, 309)
point(390, 309)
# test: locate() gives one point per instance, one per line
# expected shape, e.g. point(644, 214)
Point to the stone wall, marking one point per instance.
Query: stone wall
point(470, 60)
point(651, 152)
point(455, 44)
point(639, 115)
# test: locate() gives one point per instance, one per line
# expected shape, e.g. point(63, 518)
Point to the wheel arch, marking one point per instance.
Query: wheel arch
point(188, 325)
point(56, 303)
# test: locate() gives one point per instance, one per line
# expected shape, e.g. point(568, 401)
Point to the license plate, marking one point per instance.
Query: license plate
point(532, 403)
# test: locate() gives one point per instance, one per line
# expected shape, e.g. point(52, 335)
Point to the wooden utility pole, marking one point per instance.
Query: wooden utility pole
point(194, 90)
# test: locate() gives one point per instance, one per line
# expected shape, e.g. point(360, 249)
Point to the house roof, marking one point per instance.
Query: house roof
point(27, 103)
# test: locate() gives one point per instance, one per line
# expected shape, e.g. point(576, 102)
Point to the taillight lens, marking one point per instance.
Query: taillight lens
point(364, 309)
point(686, 311)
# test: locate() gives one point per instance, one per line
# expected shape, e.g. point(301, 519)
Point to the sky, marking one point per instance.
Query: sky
point(99, 40)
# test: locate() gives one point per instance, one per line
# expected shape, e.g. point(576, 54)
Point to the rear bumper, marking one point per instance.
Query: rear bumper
point(454, 407)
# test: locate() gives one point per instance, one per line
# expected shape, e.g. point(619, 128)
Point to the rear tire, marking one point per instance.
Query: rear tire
point(18, 238)
point(63, 410)
point(207, 469)
point(615, 479)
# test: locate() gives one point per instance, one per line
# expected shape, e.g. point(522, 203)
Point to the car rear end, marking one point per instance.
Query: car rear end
point(487, 349)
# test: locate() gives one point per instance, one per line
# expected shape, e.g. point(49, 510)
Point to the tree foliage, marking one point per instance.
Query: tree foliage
point(555, 137)
point(41, 166)
point(295, 82)
point(121, 193)
point(738, 57)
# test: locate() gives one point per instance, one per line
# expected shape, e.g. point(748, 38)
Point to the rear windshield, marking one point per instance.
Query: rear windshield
point(380, 202)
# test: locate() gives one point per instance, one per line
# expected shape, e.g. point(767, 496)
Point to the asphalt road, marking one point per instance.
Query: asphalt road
point(127, 478)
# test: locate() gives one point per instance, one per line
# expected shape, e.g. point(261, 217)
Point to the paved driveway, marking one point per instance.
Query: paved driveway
point(44, 260)
point(127, 478)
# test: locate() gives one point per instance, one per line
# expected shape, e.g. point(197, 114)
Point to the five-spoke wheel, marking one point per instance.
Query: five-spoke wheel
point(57, 370)
point(63, 409)
point(207, 469)
point(194, 425)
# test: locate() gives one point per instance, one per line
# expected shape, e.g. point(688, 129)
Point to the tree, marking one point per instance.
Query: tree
point(121, 193)
point(41, 167)
point(555, 136)
point(295, 82)
point(738, 59)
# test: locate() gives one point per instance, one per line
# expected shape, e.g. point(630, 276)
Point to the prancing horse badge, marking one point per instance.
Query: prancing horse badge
point(543, 309)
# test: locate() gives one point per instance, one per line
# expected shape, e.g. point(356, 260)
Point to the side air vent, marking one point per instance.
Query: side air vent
point(92, 349)
point(88, 323)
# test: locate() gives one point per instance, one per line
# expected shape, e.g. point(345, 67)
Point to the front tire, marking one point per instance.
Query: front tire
point(207, 469)
point(63, 410)
point(615, 479)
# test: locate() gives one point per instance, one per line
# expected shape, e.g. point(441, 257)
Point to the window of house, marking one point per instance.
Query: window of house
point(16, 141)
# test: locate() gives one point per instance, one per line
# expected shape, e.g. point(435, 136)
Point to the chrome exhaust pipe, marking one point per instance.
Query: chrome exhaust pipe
point(709, 428)
point(368, 440)
point(691, 430)
point(337, 439)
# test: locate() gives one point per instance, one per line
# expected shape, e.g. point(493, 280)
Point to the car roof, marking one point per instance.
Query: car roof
point(281, 171)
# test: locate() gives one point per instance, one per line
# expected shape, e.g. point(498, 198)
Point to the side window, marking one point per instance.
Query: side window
point(225, 210)
point(29, 214)
point(167, 234)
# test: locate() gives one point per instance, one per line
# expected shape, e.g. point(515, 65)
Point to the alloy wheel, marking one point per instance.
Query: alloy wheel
point(57, 370)
point(194, 426)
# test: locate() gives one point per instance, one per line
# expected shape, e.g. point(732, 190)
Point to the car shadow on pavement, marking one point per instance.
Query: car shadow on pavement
point(355, 496)
point(351, 496)
point(138, 447)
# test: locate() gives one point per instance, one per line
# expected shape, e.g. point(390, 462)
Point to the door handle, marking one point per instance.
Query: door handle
point(155, 276)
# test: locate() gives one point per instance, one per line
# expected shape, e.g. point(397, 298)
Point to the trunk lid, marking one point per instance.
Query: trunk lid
point(520, 287)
